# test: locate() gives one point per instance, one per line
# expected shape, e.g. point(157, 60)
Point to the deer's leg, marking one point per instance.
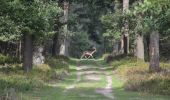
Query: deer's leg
point(82, 56)
point(92, 56)
point(86, 57)
point(89, 56)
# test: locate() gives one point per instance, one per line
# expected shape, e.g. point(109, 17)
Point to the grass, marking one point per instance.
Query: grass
point(144, 81)
point(121, 94)
point(84, 90)
point(13, 76)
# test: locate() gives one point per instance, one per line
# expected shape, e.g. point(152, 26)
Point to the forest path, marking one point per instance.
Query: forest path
point(94, 79)
point(89, 80)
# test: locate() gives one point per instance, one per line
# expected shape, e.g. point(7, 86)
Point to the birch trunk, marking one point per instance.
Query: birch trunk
point(139, 47)
point(65, 42)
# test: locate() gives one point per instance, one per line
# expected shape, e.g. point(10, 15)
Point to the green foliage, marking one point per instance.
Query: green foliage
point(150, 13)
point(8, 60)
point(79, 43)
point(3, 59)
point(35, 16)
point(8, 29)
point(85, 17)
point(113, 25)
point(18, 83)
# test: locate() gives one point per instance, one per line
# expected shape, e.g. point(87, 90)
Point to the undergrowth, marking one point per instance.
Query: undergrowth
point(138, 78)
point(8, 60)
point(13, 76)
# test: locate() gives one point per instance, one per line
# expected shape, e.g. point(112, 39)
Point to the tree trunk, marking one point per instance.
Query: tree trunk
point(56, 45)
point(65, 42)
point(139, 47)
point(126, 27)
point(147, 42)
point(64, 48)
point(28, 52)
point(126, 37)
point(116, 5)
point(125, 5)
point(121, 51)
point(55, 48)
point(154, 52)
point(118, 45)
point(126, 44)
point(20, 50)
point(115, 48)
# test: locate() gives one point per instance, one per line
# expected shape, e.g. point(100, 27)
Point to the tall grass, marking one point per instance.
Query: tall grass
point(138, 78)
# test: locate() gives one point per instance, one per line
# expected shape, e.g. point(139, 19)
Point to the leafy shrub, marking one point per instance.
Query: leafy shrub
point(7, 59)
point(3, 59)
point(79, 43)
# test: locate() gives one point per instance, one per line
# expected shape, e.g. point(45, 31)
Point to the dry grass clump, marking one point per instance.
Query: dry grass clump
point(139, 79)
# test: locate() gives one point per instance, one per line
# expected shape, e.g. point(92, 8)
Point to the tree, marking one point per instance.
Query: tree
point(125, 29)
point(28, 51)
point(112, 22)
point(65, 38)
point(139, 47)
point(139, 41)
point(116, 41)
point(33, 20)
point(57, 27)
point(153, 14)
point(154, 51)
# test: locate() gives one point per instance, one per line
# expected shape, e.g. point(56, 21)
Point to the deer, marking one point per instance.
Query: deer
point(88, 54)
